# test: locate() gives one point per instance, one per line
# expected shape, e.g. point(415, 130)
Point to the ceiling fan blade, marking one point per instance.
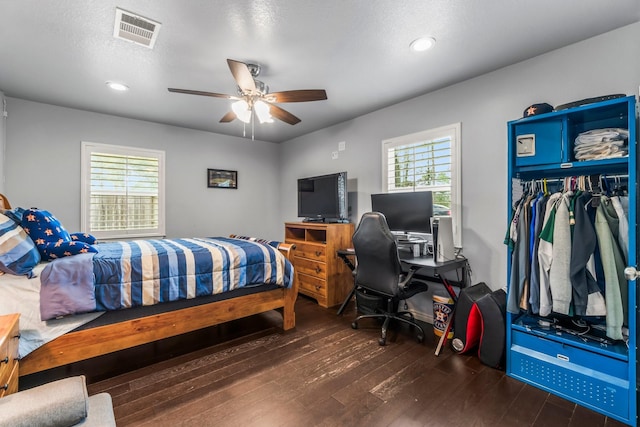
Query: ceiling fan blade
point(229, 117)
point(284, 115)
point(199, 92)
point(242, 75)
point(298, 95)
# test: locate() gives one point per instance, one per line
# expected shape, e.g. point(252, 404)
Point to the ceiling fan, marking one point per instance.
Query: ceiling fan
point(254, 98)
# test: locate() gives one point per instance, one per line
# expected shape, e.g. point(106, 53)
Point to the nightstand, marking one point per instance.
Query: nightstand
point(9, 336)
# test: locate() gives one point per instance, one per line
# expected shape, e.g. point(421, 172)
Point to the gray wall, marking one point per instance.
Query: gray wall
point(603, 65)
point(43, 169)
point(43, 151)
point(3, 139)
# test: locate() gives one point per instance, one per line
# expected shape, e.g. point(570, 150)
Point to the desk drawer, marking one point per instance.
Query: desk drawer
point(309, 251)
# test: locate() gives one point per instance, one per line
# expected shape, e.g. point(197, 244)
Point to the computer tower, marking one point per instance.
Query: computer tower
point(443, 242)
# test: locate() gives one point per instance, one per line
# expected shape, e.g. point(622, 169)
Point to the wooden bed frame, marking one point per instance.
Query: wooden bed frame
point(88, 343)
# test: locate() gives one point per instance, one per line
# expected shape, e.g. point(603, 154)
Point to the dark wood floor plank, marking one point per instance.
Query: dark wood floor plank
point(553, 415)
point(526, 406)
point(322, 373)
point(583, 417)
point(396, 357)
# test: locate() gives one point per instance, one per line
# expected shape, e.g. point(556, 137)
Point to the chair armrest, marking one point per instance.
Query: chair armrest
point(59, 403)
point(100, 411)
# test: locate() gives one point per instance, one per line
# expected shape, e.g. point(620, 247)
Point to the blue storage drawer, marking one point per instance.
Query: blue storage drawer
point(590, 379)
point(547, 139)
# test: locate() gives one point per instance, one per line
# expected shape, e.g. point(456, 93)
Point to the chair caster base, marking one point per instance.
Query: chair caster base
point(382, 341)
point(354, 325)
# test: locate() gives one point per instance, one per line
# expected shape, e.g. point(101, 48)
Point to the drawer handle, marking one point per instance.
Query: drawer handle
point(318, 269)
point(5, 360)
point(5, 387)
point(318, 253)
point(318, 287)
point(562, 357)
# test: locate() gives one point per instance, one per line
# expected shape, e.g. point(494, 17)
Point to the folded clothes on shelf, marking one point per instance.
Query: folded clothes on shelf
point(604, 143)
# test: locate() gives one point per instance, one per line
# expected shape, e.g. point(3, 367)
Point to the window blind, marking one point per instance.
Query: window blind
point(124, 192)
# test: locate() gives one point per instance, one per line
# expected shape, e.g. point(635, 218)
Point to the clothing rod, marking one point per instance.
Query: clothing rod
point(573, 176)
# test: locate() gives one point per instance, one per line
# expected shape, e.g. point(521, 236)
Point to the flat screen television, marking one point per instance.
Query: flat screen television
point(323, 198)
point(408, 212)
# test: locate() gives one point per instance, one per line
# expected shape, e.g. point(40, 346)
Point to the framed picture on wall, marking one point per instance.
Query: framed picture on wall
point(220, 178)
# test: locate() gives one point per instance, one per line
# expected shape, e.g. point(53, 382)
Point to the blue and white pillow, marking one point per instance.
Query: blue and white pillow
point(18, 254)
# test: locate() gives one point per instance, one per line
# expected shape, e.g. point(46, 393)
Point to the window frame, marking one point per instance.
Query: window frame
point(87, 148)
point(454, 132)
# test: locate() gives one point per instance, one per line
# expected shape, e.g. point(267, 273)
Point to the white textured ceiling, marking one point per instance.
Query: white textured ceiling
point(62, 52)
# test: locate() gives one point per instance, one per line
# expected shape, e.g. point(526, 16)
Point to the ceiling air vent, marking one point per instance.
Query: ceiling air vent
point(136, 29)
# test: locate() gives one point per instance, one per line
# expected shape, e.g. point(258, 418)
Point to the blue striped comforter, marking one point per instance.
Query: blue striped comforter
point(146, 272)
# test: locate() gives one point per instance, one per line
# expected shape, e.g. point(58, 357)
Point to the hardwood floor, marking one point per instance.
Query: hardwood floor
point(323, 373)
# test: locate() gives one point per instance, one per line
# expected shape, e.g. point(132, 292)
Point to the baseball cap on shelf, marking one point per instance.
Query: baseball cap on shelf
point(535, 109)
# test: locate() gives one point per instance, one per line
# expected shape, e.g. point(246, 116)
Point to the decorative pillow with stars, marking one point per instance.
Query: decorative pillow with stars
point(51, 238)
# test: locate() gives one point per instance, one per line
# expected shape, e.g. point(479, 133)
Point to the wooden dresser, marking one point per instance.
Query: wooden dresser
point(9, 336)
point(321, 274)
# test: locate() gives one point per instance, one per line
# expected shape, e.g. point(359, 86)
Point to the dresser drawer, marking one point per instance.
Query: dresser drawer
point(10, 386)
point(9, 358)
point(312, 284)
point(312, 252)
point(314, 268)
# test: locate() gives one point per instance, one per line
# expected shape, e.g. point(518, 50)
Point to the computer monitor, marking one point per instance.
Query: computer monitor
point(408, 212)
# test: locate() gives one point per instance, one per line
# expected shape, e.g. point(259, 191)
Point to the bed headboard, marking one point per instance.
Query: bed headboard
point(4, 202)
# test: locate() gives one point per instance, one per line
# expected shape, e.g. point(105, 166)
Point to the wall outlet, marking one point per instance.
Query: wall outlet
point(334, 155)
point(342, 145)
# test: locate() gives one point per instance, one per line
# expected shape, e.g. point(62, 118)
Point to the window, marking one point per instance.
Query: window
point(427, 161)
point(122, 191)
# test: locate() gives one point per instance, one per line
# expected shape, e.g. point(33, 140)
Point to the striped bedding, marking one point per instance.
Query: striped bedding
point(146, 272)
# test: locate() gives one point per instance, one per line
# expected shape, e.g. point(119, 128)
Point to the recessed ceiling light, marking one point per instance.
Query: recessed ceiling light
point(117, 86)
point(422, 44)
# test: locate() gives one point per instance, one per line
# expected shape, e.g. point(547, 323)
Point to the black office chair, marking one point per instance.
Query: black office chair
point(379, 272)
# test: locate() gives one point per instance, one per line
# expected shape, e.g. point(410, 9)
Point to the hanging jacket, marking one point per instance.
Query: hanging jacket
point(623, 224)
point(534, 281)
point(559, 275)
point(587, 299)
point(545, 254)
point(519, 258)
point(613, 297)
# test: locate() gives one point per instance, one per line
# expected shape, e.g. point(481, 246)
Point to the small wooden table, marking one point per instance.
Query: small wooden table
point(9, 336)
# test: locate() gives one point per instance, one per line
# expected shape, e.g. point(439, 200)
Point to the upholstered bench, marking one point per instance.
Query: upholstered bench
point(60, 403)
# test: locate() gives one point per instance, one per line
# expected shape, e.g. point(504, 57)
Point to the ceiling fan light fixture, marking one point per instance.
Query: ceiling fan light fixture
point(422, 44)
point(120, 87)
point(262, 110)
point(241, 110)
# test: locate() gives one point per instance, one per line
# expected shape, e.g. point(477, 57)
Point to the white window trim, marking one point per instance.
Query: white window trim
point(85, 185)
point(453, 130)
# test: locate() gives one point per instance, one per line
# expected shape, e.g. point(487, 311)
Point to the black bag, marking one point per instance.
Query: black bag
point(466, 329)
point(480, 321)
point(492, 309)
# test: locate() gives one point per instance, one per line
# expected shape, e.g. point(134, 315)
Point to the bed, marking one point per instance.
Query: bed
point(98, 334)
